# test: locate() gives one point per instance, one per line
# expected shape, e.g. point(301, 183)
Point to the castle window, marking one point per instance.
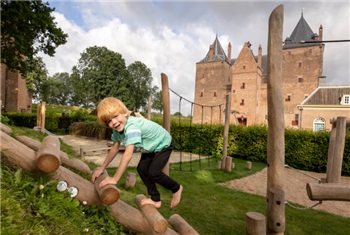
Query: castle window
point(300, 80)
point(201, 95)
point(243, 86)
point(300, 64)
point(243, 66)
point(295, 122)
point(233, 91)
point(345, 100)
point(242, 102)
point(319, 124)
point(215, 94)
point(288, 98)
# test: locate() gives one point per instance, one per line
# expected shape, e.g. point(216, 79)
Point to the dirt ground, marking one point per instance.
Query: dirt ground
point(295, 186)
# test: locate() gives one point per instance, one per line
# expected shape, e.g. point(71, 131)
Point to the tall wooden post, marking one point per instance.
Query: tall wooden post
point(275, 209)
point(42, 116)
point(226, 129)
point(149, 108)
point(166, 110)
point(336, 150)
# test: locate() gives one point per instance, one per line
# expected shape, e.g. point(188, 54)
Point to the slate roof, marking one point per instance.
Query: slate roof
point(327, 95)
point(219, 53)
point(301, 32)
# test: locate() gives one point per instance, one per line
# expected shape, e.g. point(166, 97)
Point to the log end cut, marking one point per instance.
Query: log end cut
point(109, 195)
point(48, 163)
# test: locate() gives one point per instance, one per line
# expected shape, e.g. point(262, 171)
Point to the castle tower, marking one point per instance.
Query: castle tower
point(213, 80)
point(302, 67)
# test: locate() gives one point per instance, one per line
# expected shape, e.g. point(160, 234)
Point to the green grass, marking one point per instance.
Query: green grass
point(206, 206)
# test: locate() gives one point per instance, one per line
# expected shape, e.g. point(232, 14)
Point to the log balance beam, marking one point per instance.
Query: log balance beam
point(20, 155)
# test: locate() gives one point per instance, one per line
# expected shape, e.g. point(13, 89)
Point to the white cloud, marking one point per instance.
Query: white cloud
point(171, 37)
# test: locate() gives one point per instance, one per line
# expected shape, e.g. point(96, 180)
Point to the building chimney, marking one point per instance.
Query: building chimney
point(211, 52)
point(320, 33)
point(260, 57)
point(229, 52)
point(322, 81)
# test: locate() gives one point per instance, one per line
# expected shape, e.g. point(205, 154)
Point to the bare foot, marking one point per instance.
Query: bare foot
point(149, 201)
point(176, 198)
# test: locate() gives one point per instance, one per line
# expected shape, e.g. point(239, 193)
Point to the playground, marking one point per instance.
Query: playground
point(254, 184)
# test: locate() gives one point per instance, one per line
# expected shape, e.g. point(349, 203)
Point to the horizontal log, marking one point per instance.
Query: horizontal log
point(18, 153)
point(48, 155)
point(328, 191)
point(73, 163)
point(108, 194)
point(5, 128)
point(181, 226)
point(154, 218)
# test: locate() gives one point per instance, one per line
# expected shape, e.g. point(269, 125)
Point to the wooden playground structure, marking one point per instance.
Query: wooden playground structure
point(46, 157)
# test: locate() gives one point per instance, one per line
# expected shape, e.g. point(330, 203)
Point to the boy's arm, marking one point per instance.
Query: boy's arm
point(110, 156)
point(124, 162)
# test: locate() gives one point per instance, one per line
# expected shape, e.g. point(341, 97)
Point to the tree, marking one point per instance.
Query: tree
point(157, 100)
point(36, 78)
point(27, 28)
point(141, 83)
point(101, 73)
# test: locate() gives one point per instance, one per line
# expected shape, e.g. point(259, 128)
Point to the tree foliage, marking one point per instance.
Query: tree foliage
point(101, 73)
point(157, 100)
point(27, 27)
point(141, 84)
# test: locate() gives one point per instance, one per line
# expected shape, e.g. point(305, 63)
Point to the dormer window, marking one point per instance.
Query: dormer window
point(345, 100)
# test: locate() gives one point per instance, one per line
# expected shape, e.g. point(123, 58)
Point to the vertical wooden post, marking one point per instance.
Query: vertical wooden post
point(336, 150)
point(226, 129)
point(275, 138)
point(255, 224)
point(149, 108)
point(166, 110)
point(42, 116)
point(38, 116)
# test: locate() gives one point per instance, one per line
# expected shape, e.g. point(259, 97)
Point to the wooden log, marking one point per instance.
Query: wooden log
point(218, 166)
point(48, 155)
point(154, 218)
point(276, 125)
point(255, 223)
point(228, 164)
point(17, 153)
point(276, 204)
point(130, 180)
point(249, 165)
point(226, 129)
point(328, 191)
point(5, 128)
point(24, 157)
point(181, 226)
point(334, 173)
point(109, 194)
point(73, 163)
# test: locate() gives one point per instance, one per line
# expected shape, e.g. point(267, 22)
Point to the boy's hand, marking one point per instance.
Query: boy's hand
point(96, 174)
point(108, 180)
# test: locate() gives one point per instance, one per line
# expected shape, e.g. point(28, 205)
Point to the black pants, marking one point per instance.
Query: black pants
point(150, 170)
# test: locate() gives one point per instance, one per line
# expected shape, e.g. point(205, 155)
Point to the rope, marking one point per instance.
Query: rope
point(319, 180)
point(326, 41)
point(303, 208)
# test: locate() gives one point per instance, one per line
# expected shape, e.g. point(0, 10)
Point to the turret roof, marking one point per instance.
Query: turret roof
point(301, 32)
point(219, 53)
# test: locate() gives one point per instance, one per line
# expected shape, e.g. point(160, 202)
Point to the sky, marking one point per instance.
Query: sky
point(170, 37)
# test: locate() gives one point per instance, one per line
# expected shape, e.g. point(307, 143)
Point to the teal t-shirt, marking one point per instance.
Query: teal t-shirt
point(147, 136)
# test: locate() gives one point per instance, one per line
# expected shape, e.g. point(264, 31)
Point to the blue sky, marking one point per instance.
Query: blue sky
point(172, 36)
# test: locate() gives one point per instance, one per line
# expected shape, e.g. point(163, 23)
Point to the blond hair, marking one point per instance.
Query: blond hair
point(108, 107)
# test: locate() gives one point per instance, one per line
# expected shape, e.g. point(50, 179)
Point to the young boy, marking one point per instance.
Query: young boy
point(138, 134)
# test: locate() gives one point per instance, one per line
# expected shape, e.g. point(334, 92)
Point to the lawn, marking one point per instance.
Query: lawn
point(208, 207)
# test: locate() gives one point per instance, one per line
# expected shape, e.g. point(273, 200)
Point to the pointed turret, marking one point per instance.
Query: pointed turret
point(302, 32)
point(215, 53)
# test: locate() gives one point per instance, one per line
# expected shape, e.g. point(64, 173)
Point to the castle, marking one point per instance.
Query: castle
point(245, 78)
